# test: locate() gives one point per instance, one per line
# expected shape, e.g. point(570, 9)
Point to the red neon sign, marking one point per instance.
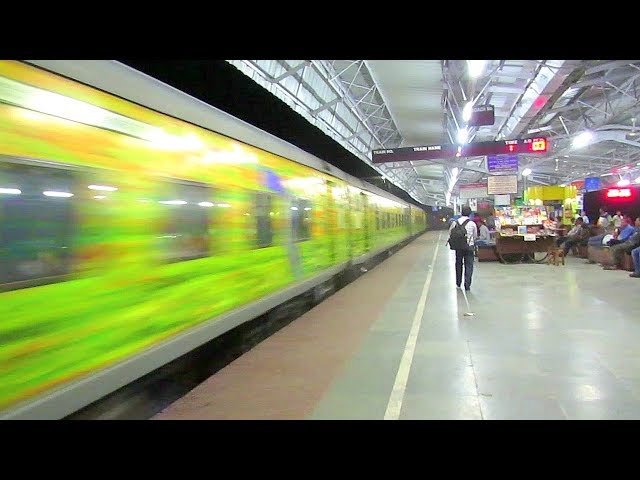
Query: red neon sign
point(618, 192)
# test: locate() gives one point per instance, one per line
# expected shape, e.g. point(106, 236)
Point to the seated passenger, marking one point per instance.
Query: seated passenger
point(484, 237)
point(624, 232)
point(578, 235)
point(618, 250)
point(635, 256)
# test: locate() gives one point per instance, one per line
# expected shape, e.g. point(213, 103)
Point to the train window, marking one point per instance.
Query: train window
point(37, 225)
point(301, 219)
point(185, 234)
point(264, 225)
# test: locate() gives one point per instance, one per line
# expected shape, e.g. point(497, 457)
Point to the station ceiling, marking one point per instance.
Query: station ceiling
point(367, 105)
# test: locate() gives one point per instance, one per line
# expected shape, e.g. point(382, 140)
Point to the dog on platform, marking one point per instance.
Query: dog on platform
point(555, 256)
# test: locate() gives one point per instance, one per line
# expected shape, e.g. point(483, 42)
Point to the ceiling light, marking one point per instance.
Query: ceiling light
point(463, 134)
point(526, 172)
point(475, 67)
point(582, 140)
point(466, 111)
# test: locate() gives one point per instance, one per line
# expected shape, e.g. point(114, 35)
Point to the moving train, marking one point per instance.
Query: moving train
point(137, 223)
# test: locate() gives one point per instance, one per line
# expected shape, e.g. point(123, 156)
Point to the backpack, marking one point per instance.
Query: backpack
point(458, 236)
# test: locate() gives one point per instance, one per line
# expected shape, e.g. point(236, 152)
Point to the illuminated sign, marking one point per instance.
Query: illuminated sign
point(619, 192)
point(428, 152)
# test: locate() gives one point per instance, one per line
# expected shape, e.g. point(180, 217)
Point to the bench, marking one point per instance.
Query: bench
point(600, 254)
point(487, 253)
point(580, 251)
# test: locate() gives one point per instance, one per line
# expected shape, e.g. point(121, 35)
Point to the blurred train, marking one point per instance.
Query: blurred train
point(133, 231)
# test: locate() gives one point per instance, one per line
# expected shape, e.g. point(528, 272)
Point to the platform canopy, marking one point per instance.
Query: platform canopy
point(369, 105)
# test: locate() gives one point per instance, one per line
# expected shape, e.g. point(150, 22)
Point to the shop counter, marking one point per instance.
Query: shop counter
point(519, 248)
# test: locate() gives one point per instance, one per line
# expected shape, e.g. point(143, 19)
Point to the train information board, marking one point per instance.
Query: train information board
point(431, 152)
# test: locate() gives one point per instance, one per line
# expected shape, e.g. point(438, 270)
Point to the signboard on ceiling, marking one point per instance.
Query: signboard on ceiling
point(591, 184)
point(502, 163)
point(531, 145)
point(502, 184)
point(482, 115)
point(473, 190)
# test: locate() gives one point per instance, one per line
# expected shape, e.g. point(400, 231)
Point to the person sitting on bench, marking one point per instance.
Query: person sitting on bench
point(618, 250)
point(578, 235)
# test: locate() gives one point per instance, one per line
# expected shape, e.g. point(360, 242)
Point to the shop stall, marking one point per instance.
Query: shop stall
point(522, 234)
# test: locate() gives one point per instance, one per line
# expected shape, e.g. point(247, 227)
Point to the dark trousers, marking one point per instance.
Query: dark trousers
point(466, 257)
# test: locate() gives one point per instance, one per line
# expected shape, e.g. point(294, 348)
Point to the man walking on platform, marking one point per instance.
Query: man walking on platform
point(462, 237)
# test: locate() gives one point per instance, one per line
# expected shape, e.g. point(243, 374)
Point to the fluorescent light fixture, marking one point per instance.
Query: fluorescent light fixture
point(99, 197)
point(582, 140)
point(205, 204)
point(466, 111)
point(307, 208)
point(526, 172)
point(463, 134)
point(294, 208)
point(475, 67)
point(563, 184)
point(623, 183)
point(173, 202)
point(52, 193)
point(223, 205)
point(102, 188)
point(10, 191)
point(606, 174)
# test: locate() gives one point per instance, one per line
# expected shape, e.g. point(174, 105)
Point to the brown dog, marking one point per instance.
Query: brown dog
point(556, 255)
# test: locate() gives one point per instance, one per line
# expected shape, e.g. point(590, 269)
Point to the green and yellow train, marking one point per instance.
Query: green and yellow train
point(137, 223)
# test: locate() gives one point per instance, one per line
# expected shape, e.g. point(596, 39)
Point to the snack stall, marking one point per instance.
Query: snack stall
point(522, 234)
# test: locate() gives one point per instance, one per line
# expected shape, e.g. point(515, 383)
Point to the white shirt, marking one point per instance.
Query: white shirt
point(617, 220)
point(484, 233)
point(472, 231)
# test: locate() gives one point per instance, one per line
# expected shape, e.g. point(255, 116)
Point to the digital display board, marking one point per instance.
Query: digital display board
point(619, 193)
point(428, 152)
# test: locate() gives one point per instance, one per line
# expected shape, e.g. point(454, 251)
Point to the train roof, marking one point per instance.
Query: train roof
point(123, 81)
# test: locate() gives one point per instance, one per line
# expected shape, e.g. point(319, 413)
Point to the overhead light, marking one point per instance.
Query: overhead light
point(526, 172)
point(172, 202)
point(582, 140)
point(463, 134)
point(205, 204)
point(99, 197)
point(102, 188)
point(606, 174)
point(466, 111)
point(475, 67)
point(10, 191)
point(52, 193)
point(563, 184)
